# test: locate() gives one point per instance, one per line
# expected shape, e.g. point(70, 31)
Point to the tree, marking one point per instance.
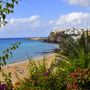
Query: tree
point(6, 54)
point(6, 10)
point(72, 47)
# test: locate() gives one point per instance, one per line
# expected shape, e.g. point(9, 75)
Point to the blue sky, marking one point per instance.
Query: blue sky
point(37, 18)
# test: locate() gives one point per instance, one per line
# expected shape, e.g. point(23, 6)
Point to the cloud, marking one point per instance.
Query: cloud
point(35, 17)
point(22, 23)
point(33, 23)
point(80, 3)
point(50, 22)
point(74, 19)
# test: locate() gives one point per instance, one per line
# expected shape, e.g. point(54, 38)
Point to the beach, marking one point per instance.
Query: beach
point(23, 67)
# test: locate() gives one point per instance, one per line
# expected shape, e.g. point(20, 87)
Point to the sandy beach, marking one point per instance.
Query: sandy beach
point(23, 67)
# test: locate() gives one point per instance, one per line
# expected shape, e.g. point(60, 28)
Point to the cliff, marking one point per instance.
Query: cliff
point(55, 37)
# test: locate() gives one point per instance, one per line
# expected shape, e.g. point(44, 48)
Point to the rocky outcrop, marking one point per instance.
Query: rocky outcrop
point(40, 38)
point(55, 38)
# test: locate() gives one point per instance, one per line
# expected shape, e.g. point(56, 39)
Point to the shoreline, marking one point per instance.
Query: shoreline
point(25, 60)
point(23, 67)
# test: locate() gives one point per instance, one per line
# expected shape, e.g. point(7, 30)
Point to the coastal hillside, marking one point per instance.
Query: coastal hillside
point(55, 37)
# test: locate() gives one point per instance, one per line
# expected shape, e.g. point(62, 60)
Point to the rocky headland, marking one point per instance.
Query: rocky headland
point(40, 38)
point(55, 38)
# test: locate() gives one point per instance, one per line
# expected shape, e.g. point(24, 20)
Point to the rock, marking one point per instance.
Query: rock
point(55, 38)
point(40, 38)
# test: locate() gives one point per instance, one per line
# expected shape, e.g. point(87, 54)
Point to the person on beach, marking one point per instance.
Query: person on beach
point(20, 71)
point(7, 66)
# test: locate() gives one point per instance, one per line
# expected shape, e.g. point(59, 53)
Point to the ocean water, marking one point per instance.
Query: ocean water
point(31, 47)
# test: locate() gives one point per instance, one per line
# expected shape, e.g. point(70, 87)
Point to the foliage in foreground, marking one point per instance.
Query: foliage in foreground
point(7, 52)
point(68, 76)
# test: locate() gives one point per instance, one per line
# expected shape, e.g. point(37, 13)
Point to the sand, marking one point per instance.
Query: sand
point(23, 67)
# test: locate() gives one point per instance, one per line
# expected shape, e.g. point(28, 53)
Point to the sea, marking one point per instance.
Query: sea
point(31, 48)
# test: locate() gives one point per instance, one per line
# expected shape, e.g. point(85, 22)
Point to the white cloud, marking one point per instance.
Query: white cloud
point(50, 22)
point(35, 17)
point(80, 3)
point(22, 23)
point(73, 20)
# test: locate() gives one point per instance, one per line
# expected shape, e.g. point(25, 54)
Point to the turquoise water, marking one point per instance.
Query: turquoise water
point(31, 47)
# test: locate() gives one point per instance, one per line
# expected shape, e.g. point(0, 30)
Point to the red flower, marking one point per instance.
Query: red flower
point(77, 71)
point(75, 74)
point(71, 86)
point(71, 75)
point(86, 80)
point(82, 74)
point(76, 87)
point(84, 71)
point(16, 84)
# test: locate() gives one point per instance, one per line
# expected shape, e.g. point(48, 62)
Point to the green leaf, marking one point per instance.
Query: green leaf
point(7, 5)
point(11, 48)
point(16, 2)
point(0, 25)
point(1, 1)
point(3, 16)
point(11, 54)
point(12, 6)
point(1, 6)
point(5, 22)
point(11, 44)
point(4, 62)
point(19, 43)
point(8, 50)
point(0, 58)
point(4, 9)
point(6, 55)
point(9, 74)
point(4, 52)
point(13, 1)
point(14, 47)
point(11, 11)
point(8, 11)
point(1, 11)
point(4, 58)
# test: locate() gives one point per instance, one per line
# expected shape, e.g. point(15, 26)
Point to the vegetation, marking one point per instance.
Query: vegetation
point(71, 46)
point(6, 54)
point(5, 8)
point(68, 76)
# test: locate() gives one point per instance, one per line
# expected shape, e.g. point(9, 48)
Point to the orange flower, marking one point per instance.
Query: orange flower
point(17, 83)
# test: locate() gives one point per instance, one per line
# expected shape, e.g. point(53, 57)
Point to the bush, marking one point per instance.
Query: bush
point(79, 79)
point(74, 74)
point(41, 78)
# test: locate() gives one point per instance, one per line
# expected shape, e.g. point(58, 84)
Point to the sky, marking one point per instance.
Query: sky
point(37, 18)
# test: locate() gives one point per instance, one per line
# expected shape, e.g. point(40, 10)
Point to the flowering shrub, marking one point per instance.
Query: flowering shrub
point(16, 84)
point(42, 78)
point(68, 76)
point(80, 79)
